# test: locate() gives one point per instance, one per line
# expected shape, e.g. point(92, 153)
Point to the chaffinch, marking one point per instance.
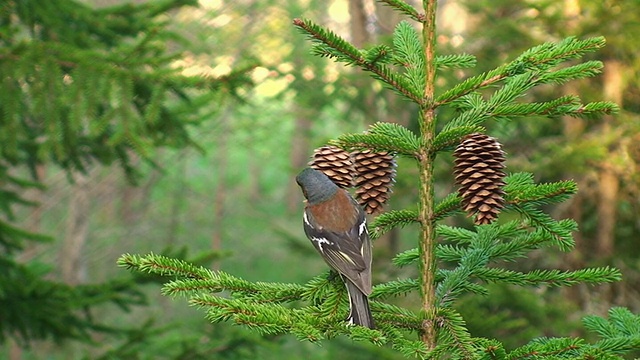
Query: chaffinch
point(337, 228)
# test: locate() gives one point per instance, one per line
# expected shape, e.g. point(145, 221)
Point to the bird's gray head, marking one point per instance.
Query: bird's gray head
point(316, 186)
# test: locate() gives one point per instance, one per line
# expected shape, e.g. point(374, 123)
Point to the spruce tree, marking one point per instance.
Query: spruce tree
point(83, 86)
point(507, 208)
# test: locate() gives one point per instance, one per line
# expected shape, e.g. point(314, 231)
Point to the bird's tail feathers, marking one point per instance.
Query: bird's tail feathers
point(359, 312)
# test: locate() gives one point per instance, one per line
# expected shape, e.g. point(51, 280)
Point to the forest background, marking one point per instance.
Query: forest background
point(224, 195)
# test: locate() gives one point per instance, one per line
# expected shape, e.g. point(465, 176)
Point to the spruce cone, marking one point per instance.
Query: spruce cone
point(479, 172)
point(334, 162)
point(375, 173)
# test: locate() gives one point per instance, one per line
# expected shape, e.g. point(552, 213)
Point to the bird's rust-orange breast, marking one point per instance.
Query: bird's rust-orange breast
point(339, 211)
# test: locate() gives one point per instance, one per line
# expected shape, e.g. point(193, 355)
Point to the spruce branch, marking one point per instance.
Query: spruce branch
point(549, 55)
point(554, 277)
point(455, 61)
point(594, 110)
point(450, 252)
point(267, 319)
point(403, 7)
point(360, 333)
point(453, 332)
point(501, 105)
point(518, 245)
point(394, 288)
point(394, 130)
point(164, 266)
point(456, 282)
point(505, 242)
point(448, 206)
point(456, 234)
point(406, 257)
point(521, 190)
point(413, 349)
point(569, 105)
point(468, 102)
point(512, 241)
point(471, 84)
point(240, 288)
point(550, 348)
point(552, 108)
point(396, 316)
point(474, 117)
point(453, 253)
point(408, 53)
point(575, 72)
point(319, 288)
point(378, 54)
point(382, 136)
point(559, 231)
point(328, 44)
point(374, 142)
point(334, 304)
point(392, 219)
point(537, 59)
point(525, 198)
point(620, 334)
point(515, 86)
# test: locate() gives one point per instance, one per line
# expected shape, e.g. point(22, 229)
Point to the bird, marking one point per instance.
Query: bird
point(337, 228)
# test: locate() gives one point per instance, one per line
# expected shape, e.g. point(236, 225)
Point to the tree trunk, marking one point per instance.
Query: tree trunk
point(607, 197)
point(359, 34)
point(127, 201)
point(608, 179)
point(178, 199)
point(300, 152)
point(35, 217)
point(222, 154)
point(70, 256)
point(573, 131)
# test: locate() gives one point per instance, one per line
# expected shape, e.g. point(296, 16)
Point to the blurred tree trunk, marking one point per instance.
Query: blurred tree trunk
point(253, 185)
point(33, 225)
point(130, 195)
point(573, 129)
point(35, 216)
point(608, 179)
point(360, 37)
point(222, 154)
point(359, 34)
point(387, 18)
point(127, 201)
point(299, 153)
point(70, 257)
point(178, 199)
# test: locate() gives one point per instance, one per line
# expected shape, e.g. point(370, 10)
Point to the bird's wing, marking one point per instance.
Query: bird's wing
point(348, 252)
